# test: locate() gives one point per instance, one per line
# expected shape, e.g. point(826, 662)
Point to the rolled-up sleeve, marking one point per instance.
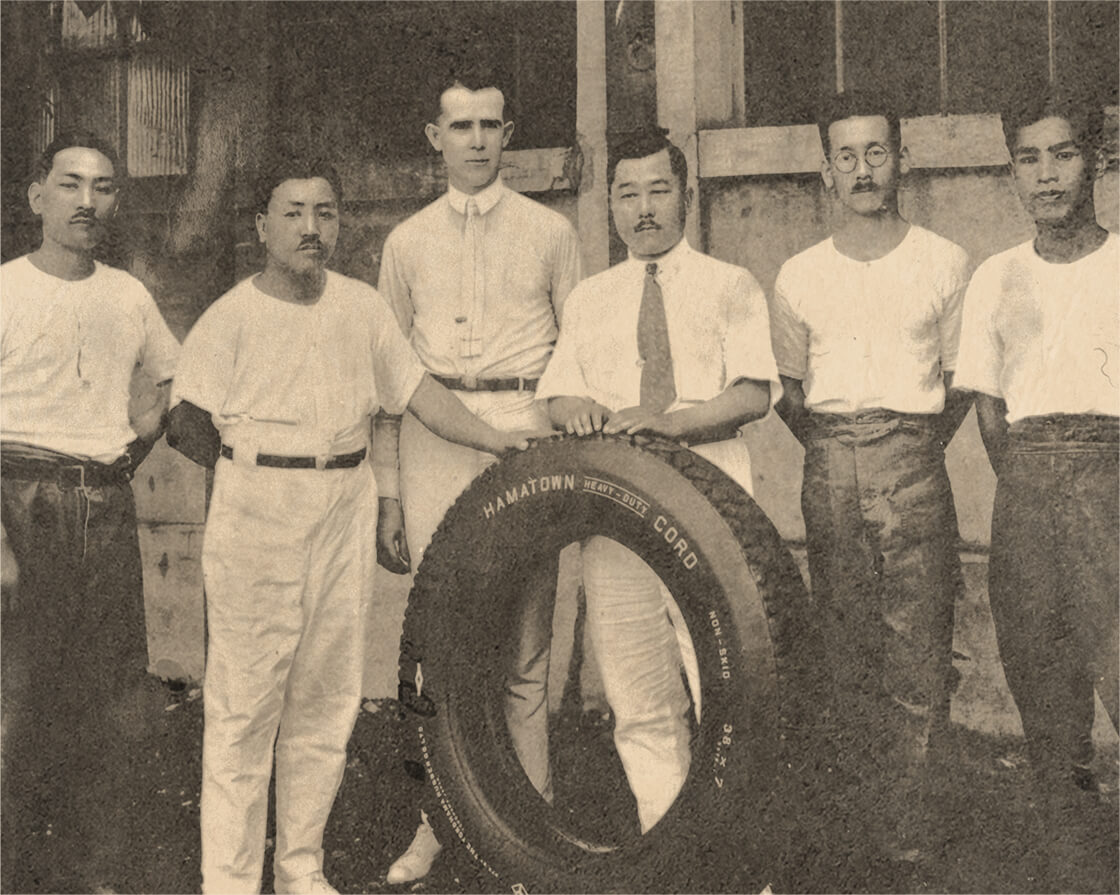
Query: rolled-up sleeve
point(393, 284)
point(564, 374)
point(789, 334)
point(160, 354)
point(980, 357)
point(397, 370)
point(206, 361)
point(949, 322)
point(747, 349)
point(567, 267)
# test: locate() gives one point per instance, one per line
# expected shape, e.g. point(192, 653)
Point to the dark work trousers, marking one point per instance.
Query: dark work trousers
point(1054, 580)
point(75, 691)
point(881, 533)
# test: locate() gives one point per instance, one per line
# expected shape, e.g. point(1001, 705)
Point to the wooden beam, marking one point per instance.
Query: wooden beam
point(731, 152)
point(934, 141)
point(591, 130)
point(955, 141)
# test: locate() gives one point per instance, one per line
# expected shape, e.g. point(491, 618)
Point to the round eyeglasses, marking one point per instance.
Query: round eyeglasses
point(845, 160)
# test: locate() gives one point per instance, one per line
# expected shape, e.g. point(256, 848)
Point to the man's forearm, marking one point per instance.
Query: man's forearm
point(791, 408)
point(443, 413)
point(192, 433)
point(744, 402)
point(991, 415)
point(385, 454)
point(957, 404)
point(957, 408)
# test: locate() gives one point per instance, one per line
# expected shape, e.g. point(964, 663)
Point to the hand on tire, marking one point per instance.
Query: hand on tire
point(392, 547)
point(637, 419)
point(585, 416)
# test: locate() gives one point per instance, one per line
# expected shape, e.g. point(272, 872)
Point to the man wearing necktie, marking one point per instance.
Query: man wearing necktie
point(477, 280)
point(670, 342)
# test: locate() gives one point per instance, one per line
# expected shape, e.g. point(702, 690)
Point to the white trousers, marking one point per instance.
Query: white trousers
point(434, 472)
point(288, 562)
point(640, 654)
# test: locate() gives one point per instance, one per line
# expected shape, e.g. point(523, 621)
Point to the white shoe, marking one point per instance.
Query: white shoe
point(418, 857)
point(312, 884)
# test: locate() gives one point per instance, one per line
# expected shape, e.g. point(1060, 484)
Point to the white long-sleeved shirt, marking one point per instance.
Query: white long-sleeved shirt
point(528, 262)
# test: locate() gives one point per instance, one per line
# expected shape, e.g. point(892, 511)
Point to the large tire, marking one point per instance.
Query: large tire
point(745, 606)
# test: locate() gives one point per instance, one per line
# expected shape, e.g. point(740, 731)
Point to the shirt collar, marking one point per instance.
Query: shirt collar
point(485, 200)
point(668, 264)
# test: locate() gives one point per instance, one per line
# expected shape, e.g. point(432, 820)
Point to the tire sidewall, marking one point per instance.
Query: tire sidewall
point(467, 592)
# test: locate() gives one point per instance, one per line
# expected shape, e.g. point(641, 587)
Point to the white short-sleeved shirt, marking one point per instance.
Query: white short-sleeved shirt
point(528, 260)
point(68, 349)
point(1044, 337)
point(719, 333)
point(871, 334)
point(294, 379)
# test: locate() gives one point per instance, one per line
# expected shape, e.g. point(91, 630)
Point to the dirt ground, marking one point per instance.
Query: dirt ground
point(992, 821)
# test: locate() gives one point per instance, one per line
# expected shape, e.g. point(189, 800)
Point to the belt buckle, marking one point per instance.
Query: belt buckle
point(71, 477)
point(470, 383)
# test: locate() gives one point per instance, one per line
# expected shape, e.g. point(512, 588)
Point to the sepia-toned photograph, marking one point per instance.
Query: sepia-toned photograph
point(556, 446)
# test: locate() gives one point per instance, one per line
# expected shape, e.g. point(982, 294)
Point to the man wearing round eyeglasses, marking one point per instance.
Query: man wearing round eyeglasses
point(865, 327)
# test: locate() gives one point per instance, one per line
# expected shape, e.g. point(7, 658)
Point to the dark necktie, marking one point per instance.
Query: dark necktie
point(658, 388)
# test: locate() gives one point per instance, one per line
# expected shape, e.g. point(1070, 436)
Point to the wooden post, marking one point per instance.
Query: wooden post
point(675, 38)
point(591, 132)
point(700, 80)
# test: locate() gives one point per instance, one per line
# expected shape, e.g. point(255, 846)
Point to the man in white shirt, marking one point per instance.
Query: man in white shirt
point(72, 333)
point(674, 343)
point(865, 329)
point(278, 383)
point(477, 280)
point(1040, 347)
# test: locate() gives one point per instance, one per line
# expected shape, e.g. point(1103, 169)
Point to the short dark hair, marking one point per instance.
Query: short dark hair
point(70, 140)
point(642, 144)
point(1084, 113)
point(287, 165)
point(857, 104)
point(473, 76)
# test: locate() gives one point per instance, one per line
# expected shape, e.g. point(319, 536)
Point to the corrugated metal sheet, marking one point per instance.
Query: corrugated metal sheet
point(90, 97)
point(158, 110)
point(88, 24)
point(95, 23)
point(48, 119)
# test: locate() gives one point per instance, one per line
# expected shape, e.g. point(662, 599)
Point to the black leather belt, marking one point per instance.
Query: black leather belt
point(340, 461)
point(470, 384)
point(67, 475)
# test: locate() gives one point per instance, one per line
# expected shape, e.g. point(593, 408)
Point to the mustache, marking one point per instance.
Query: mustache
point(311, 242)
point(863, 188)
point(84, 217)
